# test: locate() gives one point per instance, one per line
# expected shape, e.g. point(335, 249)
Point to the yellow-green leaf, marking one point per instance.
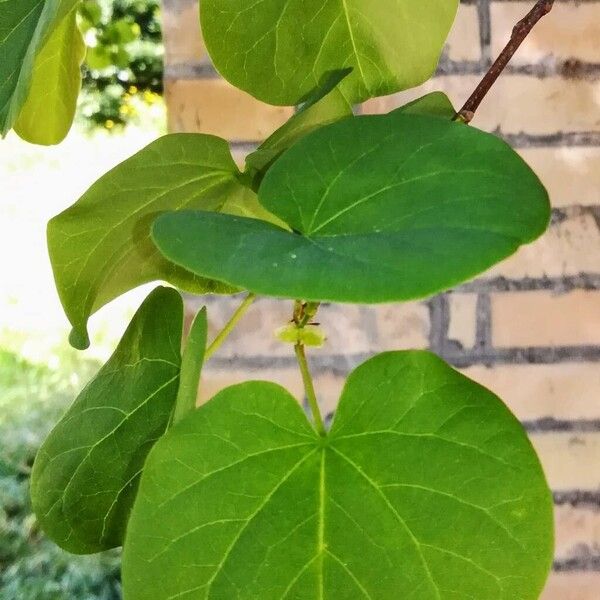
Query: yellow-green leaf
point(47, 114)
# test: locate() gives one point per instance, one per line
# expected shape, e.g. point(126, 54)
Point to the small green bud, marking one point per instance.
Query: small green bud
point(310, 335)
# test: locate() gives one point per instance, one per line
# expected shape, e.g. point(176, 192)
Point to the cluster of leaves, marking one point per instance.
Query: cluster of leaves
point(32, 567)
point(124, 60)
point(425, 486)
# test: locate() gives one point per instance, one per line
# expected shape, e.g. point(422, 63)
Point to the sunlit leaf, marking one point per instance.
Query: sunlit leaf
point(47, 114)
point(26, 28)
point(436, 104)
point(100, 247)
point(279, 50)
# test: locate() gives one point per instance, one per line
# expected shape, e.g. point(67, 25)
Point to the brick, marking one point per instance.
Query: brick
point(519, 103)
point(575, 528)
point(182, 34)
point(254, 335)
point(214, 106)
point(328, 384)
point(571, 175)
point(543, 319)
point(561, 391)
point(572, 586)
point(567, 248)
point(214, 380)
point(516, 103)
point(402, 326)
point(571, 30)
point(569, 459)
point(463, 41)
point(345, 326)
point(463, 319)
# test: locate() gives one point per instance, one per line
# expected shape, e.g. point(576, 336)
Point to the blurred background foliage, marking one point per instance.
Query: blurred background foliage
point(40, 375)
point(122, 85)
point(32, 398)
point(123, 68)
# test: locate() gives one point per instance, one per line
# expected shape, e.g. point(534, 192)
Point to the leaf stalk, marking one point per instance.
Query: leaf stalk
point(230, 326)
point(310, 389)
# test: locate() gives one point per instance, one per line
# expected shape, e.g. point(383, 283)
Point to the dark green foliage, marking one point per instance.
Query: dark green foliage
point(86, 473)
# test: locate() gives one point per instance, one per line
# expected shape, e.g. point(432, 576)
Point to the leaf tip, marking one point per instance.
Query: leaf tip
point(79, 339)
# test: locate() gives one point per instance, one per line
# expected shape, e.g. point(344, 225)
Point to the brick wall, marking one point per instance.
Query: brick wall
point(530, 328)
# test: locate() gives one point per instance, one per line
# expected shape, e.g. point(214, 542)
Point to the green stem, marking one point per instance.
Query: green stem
point(224, 333)
point(310, 389)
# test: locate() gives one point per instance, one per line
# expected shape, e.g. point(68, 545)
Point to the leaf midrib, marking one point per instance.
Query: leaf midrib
point(353, 41)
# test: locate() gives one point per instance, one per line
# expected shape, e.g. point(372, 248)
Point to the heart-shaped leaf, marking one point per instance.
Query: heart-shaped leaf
point(426, 488)
point(100, 247)
point(262, 48)
point(34, 35)
point(86, 473)
point(381, 208)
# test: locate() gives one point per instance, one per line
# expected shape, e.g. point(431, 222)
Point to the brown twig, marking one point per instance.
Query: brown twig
point(519, 33)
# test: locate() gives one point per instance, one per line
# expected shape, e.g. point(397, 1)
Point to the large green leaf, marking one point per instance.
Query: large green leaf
point(426, 488)
point(86, 474)
point(47, 114)
point(279, 50)
point(33, 39)
point(382, 208)
point(100, 247)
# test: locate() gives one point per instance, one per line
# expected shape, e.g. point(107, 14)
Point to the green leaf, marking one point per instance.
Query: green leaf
point(326, 106)
point(47, 114)
point(26, 27)
point(191, 366)
point(278, 50)
point(426, 488)
point(86, 474)
point(435, 104)
point(382, 208)
point(100, 247)
point(329, 85)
